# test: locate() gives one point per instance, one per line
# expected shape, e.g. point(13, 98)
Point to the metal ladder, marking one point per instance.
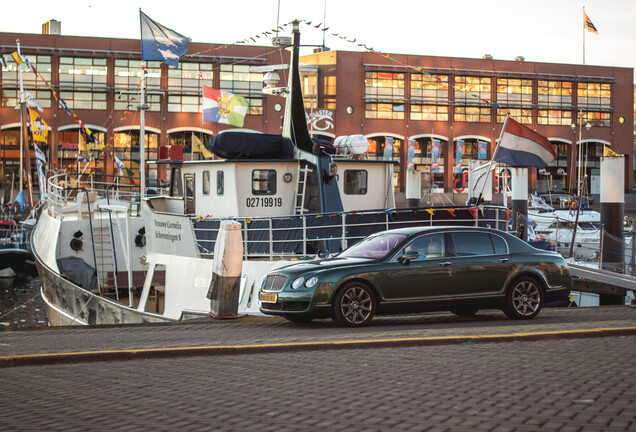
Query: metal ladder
point(301, 187)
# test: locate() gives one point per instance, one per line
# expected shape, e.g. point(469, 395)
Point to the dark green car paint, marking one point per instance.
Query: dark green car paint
point(428, 284)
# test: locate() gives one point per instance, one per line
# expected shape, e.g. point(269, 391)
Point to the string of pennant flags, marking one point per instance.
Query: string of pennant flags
point(352, 40)
point(89, 134)
point(394, 58)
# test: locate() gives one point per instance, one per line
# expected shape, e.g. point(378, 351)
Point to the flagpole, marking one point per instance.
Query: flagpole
point(492, 160)
point(583, 34)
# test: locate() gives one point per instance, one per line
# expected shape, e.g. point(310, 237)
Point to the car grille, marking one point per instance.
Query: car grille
point(286, 306)
point(274, 282)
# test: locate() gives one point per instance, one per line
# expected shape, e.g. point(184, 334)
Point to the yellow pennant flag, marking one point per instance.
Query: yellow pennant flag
point(16, 58)
point(39, 128)
point(609, 152)
point(198, 147)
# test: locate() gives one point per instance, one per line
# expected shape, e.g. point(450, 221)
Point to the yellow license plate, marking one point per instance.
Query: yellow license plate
point(269, 298)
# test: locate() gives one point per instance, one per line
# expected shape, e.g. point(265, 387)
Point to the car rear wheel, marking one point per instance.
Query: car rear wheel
point(354, 305)
point(524, 299)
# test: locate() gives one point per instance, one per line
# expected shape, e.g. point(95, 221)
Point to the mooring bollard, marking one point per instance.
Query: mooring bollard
point(226, 277)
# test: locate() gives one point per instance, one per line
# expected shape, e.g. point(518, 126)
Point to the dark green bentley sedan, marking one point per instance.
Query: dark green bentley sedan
point(461, 269)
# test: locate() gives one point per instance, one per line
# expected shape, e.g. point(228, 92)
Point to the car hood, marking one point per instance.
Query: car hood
point(325, 264)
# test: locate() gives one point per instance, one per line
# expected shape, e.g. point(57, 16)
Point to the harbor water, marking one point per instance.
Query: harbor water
point(21, 305)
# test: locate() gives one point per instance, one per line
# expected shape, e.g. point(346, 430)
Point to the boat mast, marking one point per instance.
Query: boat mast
point(142, 107)
point(25, 160)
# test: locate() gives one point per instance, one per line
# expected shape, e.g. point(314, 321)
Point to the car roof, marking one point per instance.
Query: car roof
point(409, 231)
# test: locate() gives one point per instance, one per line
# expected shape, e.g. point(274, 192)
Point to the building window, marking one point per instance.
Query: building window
point(554, 117)
point(472, 114)
point(384, 111)
point(84, 100)
point(593, 95)
point(10, 97)
point(238, 79)
point(355, 182)
point(83, 72)
point(554, 93)
point(184, 139)
point(428, 88)
point(513, 91)
point(308, 82)
point(264, 182)
point(126, 144)
point(470, 86)
point(596, 119)
point(523, 116)
point(330, 92)
point(220, 187)
point(42, 64)
point(384, 85)
point(128, 74)
point(255, 106)
point(429, 112)
point(190, 77)
point(130, 101)
point(205, 182)
point(184, 103)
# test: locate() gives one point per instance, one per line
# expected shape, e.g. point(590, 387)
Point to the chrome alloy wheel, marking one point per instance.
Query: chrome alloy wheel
point(355, 305)
point(526, 298)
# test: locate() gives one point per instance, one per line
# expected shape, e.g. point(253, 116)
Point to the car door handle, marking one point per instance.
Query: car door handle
point(503, 260)
point(445, 263)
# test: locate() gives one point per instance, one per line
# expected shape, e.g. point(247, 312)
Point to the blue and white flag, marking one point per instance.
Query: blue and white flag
point(120, 165)
point(161, 43)
point(19, 200)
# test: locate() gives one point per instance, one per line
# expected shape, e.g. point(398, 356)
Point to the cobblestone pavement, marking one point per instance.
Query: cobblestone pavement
point(551, 385)
point(260, 331)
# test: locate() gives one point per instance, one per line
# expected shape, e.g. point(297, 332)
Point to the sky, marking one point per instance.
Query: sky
point(540, 30)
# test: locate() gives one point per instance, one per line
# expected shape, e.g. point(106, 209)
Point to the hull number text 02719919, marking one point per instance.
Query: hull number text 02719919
point(264, 202)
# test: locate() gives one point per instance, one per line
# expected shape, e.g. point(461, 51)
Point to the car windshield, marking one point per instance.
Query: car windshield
point(376, 246)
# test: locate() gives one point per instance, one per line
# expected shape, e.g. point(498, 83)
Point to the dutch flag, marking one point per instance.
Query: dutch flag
point(520, 146)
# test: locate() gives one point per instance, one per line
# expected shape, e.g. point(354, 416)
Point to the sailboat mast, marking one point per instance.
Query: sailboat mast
point(142, 133)
point(25, 160)
point(22, 101)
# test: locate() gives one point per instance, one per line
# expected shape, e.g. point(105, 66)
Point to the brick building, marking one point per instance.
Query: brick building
point(391, 99)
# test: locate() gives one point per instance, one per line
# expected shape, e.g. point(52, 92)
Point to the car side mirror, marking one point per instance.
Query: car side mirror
point(407, 257)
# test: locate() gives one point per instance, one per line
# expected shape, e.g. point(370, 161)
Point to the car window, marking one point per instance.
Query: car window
point(500, 244)
point(375, 246)
point(428, 246)
point(472, 243)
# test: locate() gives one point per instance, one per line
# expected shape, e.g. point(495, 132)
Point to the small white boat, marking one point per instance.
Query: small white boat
point(558, 226)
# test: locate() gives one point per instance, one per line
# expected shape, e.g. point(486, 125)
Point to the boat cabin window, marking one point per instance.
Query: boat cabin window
point(264, 182)
point(220, 187)
point(205, 180)
point(188, 180)
point(176, 187)
point(355, 182)
point(589, 225)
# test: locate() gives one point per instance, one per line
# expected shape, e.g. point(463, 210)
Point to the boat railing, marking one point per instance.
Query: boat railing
point(70, 191)
point(309, 234)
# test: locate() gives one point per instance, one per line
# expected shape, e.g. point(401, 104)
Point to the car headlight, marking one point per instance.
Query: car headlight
point(311, 282)
point(298, 282)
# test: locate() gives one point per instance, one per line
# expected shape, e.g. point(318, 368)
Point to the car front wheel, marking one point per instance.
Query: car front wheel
point(354, 305)
point(524, 299)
